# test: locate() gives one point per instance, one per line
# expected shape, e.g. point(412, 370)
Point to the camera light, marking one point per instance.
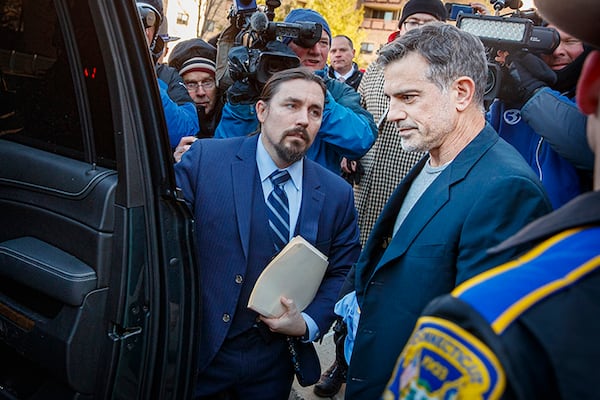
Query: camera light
point(495, 29)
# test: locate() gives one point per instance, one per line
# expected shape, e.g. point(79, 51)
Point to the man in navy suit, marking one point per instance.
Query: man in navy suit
point(226, 182)
point(471, 191)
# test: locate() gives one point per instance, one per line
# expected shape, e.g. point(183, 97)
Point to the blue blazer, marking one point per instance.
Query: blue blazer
point(484, 196)
point(219, 179)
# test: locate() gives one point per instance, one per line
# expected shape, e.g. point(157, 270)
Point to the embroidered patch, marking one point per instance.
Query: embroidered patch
point(512, 116)
point(443, 361)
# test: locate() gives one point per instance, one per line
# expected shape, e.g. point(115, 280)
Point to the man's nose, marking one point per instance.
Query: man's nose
point(302, 117)
point(314, 49)
point(200, 90)
point(396, 112)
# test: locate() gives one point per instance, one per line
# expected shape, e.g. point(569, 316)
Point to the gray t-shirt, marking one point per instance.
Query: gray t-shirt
point(419, 185)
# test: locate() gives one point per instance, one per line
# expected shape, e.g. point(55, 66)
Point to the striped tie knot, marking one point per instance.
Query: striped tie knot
point(279, 177)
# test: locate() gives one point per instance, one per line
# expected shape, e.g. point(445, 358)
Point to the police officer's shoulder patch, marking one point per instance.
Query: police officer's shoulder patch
point(440, 360)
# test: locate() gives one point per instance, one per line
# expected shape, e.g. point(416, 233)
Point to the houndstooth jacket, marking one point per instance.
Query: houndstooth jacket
point(385, 164)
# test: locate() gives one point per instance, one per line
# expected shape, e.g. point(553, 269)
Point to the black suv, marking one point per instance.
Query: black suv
point(98, 279)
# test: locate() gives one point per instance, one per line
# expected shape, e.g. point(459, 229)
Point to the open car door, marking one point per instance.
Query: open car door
point(98, 281)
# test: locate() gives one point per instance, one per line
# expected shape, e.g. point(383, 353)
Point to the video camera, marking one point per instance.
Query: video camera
point(513, 32)
point(257, 53)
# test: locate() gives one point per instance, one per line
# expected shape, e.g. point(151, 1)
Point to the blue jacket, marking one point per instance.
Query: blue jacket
point(180, 111)
point(347, 130)
point(486, 194)
point(543, 132)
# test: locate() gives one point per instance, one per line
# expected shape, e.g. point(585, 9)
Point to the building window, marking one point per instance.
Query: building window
point(386, 15)
point(210, 26)
point(183, 18)
point(367, 48)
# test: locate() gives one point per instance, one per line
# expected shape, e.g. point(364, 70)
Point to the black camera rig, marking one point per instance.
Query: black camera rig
point(258, 50)
point(518, 31)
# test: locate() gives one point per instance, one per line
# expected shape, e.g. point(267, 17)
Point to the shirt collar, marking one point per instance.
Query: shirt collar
point(346, 76)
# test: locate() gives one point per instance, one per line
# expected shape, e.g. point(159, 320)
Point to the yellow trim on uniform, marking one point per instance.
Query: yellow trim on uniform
point(533, 253)
point(514, 311)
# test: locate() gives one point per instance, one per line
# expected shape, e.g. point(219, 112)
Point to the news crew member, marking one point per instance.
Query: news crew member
point(537, 114)
point(347, 129)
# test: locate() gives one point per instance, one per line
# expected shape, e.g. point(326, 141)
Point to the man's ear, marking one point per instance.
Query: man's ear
point(261, 109)
point(464, 88)
point(588, 86)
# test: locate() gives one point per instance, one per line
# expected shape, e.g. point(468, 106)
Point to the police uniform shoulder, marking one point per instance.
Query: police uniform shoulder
point(442, 358)
point(504, 293)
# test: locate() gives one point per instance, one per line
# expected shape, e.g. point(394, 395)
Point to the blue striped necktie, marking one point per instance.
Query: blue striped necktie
point(278, 208)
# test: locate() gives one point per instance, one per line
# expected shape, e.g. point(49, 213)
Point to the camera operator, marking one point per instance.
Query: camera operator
point(180, 113)
point(537, 114)
point(347, 129)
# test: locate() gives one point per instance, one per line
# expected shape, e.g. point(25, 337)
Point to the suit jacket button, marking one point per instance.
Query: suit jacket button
point(226, 317)
point(239, 279)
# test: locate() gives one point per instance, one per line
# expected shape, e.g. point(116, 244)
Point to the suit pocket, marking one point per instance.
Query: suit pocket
point(428, 250)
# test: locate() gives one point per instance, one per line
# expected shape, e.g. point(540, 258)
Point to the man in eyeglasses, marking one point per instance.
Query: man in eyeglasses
point(195, 60)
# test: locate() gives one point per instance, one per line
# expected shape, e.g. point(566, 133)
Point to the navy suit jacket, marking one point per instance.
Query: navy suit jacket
point(220, 180)
point(484, 196)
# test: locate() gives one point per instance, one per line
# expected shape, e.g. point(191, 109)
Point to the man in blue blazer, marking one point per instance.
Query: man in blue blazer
point(227, 184)
point(469, 193)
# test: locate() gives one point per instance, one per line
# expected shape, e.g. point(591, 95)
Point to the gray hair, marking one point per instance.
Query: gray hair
point(450, 53)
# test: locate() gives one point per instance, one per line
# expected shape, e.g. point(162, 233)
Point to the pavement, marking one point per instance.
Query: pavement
point(326, 352)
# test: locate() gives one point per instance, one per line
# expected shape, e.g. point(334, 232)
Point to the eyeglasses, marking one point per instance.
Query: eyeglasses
point(413, 24)
point(206, 85)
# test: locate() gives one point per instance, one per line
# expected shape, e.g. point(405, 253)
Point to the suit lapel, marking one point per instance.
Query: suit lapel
point(422, 212)
point(312, 204)
point(243, 176)
point(436, 196)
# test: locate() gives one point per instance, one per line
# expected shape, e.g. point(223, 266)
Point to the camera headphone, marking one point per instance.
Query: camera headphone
point(150, 17)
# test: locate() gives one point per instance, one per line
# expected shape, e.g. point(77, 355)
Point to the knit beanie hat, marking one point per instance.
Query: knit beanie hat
point(193, 55)
point(431, 7)
point(308, 15)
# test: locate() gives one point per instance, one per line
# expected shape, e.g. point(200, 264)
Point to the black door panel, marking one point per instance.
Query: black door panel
point(58, 217)
point(98, 281)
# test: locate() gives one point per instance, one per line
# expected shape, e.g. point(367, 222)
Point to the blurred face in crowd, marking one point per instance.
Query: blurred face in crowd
point(314, 57)
point(416, 20)
point(202, 89)
point(149, 35)
point(423, 114)
point(290, 120)
point(341, 55)
point(588, 99)
point(567, 51)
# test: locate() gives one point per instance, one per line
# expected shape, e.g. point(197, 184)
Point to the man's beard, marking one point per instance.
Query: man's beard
point(292, 153)
point(413, 143)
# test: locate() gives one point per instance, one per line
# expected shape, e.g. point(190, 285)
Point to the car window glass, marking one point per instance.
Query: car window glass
point(53, 89)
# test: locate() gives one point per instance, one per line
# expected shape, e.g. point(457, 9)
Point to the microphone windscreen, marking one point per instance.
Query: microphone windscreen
point(259, 21)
